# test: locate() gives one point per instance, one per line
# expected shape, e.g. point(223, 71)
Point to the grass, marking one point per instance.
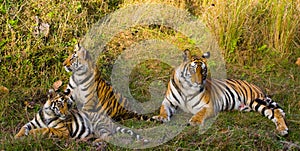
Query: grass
point(259, 40)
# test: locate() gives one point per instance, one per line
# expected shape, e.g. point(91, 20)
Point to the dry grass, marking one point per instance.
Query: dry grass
point(259, 40)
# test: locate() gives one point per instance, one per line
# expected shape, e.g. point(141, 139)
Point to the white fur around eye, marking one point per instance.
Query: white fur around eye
point(203, 65)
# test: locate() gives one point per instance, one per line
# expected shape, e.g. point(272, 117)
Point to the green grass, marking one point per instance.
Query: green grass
point(259, 40)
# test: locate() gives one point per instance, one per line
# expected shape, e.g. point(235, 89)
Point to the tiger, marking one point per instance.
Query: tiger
point(85, 80)
point(57, 118)
point(190, 89)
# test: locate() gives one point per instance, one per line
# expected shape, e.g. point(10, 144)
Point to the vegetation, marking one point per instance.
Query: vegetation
point(260, 41)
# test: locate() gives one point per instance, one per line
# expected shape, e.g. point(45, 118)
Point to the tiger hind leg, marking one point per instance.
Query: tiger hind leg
point(271, 103)
point(275, 114)
point(266, 101)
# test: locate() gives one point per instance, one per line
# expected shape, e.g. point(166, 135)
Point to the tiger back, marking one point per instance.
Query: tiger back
point(190, 90)
point(85, 80)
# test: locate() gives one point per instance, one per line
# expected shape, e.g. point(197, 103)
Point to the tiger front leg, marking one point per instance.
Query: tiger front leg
point(23, 131)
point(200, 116)
point(166, 111)
point(50, 132)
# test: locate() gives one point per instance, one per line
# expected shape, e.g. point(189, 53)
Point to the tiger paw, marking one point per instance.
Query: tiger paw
point(17, 136)
point(100, 145)
point(280, 123)
point(196, 120)
point(161, 118)
point(22, 132)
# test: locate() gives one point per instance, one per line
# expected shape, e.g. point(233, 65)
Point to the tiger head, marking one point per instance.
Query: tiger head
point(194, 69)
point(79, 62)
point(57, 105)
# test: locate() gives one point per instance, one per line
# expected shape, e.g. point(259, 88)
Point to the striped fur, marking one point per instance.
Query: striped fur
point(85, 81)
point(58, 119)
point(191, 90)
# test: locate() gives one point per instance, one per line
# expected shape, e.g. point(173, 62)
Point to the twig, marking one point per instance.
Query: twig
point(290, 144)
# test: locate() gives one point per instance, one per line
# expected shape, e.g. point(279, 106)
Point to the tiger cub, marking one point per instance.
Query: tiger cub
point(58, 119)
point(191, 90)
point(85, 81)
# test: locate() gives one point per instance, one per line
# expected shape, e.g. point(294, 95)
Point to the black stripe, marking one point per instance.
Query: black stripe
point(70, 125)
point(241, 88)
point(90, 93)
point(257, 107)
point(29, 126)
point(272, 114)
point(80, 68)
point(196, 103)
point(176, 86)
point(263, 111)
point(227, 100)
point(52, 120)
point(67, 92)
point(83, 128)
point(71, 98)
point(184, 71)
point(233, 85)
point(172, 104)
point(170, 111)
point(174, 96)
point(221, 86)
point(232, 97)
point(40, 113)
point(87, 78)
point(261, 102)
point(251, 103)
point(86, 88)
point(76, 126)
point(69, 84)
point(37, 122)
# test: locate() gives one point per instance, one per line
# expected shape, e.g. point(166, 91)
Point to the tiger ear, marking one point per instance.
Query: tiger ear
point(51, 93)
point(187, 55)
point(206, 55)
point(83, 52)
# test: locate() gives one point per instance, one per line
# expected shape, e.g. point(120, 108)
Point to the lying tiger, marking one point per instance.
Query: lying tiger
point(191, 90)
point(58, 119)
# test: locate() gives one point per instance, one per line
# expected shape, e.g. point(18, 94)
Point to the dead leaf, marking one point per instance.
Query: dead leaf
point(41, 29)
point(44, 29)
point(4, 90)
point(298, 61)
point(56, 85)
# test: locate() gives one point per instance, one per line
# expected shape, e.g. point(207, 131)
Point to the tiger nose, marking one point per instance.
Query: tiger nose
point(198, 82)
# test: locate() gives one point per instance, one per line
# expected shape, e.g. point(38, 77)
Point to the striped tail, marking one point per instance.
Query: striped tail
point(131, 133)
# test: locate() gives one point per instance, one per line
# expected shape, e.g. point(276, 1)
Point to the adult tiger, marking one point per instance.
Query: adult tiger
point(85, 81)
point(58, 119)
point(191, 90)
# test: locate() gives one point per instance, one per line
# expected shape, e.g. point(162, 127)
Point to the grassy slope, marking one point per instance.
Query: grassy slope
point(260, 41)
